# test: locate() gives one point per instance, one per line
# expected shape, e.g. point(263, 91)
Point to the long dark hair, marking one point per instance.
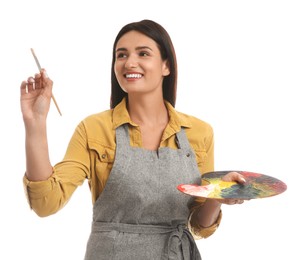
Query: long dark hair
point(156, 32)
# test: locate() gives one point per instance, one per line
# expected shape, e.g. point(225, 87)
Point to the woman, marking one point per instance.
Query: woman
point(133, 155)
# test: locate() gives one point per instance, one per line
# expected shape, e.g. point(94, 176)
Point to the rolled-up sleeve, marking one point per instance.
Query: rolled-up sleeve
point(198, 231)
point(46, 197)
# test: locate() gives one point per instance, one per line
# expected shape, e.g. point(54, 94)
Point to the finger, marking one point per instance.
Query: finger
point(23, 87)
point(235, 176)
point(241, 179)
point(38, 82)
point(238, 201)
point(30, 84)
point(46, 81)
point(229, 201)
point(230, 176)
point(44, 74)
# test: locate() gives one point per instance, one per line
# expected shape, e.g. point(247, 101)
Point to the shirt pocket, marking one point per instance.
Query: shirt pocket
point(102, 158)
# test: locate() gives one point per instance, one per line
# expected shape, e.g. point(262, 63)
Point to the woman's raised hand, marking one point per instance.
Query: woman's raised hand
point(36, 94)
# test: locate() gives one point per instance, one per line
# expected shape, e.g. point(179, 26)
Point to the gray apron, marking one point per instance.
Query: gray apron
point(140, 215)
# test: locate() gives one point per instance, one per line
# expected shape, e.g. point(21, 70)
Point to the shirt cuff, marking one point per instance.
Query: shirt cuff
point(35, 190)
point(199, 232)
point(38, 189)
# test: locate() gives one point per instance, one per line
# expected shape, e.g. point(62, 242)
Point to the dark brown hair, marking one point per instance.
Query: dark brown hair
point(156, 32)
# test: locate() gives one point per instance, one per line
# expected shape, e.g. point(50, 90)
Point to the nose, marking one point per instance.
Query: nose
point(131, 62)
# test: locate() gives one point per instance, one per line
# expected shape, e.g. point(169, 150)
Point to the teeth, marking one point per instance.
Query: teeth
point(136, 76)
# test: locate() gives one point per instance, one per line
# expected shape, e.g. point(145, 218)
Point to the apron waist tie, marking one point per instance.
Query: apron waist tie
point(179, 235)
point(189, 247)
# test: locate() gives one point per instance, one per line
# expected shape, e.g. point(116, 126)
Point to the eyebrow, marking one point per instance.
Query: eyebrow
point(137, 48)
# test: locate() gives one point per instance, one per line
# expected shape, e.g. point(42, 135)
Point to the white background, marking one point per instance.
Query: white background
point(240, 69)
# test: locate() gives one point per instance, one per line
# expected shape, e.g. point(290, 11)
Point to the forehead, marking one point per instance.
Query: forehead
point(135, 39)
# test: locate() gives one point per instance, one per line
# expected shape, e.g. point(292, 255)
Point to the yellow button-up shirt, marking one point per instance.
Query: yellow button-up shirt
point(91, 153)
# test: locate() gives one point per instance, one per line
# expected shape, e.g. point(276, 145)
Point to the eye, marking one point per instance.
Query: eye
point(143, 54)
point(120, 55)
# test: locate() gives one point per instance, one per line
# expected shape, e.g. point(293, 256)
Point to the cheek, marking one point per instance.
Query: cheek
point(119, 75)
point(116, 69)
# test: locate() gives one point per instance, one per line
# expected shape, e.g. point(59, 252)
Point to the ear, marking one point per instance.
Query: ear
point(165, 68)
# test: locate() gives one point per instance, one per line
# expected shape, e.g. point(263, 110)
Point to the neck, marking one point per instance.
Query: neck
point(144, 111)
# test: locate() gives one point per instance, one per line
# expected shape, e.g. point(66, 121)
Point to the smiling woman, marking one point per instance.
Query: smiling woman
point(134, 155)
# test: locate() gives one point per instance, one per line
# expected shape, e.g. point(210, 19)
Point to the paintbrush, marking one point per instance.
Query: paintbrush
point(39, 67)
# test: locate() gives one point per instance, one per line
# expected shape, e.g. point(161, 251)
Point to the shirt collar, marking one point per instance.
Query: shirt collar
point(120, 115)
point(176, 119)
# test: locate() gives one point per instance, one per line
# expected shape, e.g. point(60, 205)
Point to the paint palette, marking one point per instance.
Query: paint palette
point(256, 186)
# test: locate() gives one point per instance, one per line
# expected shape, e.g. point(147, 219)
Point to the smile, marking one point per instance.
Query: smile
point(133, 76)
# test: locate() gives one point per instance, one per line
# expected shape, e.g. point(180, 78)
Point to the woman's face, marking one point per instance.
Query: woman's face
point(139, 67)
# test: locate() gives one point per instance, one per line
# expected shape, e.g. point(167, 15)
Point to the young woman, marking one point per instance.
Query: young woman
point(133, 155)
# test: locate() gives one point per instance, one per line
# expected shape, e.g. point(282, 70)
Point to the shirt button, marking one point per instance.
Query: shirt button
point(103, 156)
point(188, 154)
